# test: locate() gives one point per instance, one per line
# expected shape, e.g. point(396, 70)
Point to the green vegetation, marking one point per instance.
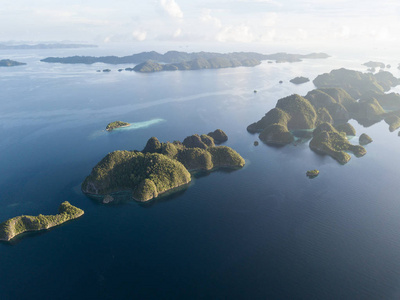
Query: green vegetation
point(333, 102)
point(347, 128)
point(196, 64)
point(276, 134)
point(299, 80)
point(219, 136)
point(132, 171)
point(327, 140)
point(274, 116)
point(365, 139)
point(116, 124)
point(225, 157)
point(393, 120)
point(174, 57)
point(148, 66)
point(302, 113)
point(159, 168)
point(356, 83)
point(312, 173)
point(17, 225)
point(368, 110)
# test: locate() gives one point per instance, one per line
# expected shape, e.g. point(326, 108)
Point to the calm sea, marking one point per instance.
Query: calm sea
point(263, 232)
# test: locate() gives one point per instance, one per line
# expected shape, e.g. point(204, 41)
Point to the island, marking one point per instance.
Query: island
point(9, 46)
point(10, 63)
point(312, 173)
point(365, 139)
point(299, 80)
point(323, 114)
point(117, 124)
point(175, 60)
point(219, 136)
point(17, 225)
point(158, 168)
point(374, 64)
point(196, 64)
point(327, 140)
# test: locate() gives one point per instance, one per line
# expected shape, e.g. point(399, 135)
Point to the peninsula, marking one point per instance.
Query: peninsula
point(17, 225)
point(10, 63)
point(116, 124)
point(158, 168)
point(326, 110)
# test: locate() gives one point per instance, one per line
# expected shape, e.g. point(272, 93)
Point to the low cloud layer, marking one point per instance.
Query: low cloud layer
point(236, 21)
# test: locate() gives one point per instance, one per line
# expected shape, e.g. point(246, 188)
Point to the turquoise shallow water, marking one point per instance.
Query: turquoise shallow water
point(263, 232)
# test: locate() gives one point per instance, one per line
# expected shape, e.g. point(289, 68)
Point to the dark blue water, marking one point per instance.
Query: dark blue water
point(263, 232)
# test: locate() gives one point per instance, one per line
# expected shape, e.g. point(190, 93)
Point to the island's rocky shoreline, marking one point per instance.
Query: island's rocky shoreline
point(18, 225)
point(159, 167)
point(341, 95)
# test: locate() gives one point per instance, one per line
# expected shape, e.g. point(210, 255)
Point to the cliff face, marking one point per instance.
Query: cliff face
point(17, 225)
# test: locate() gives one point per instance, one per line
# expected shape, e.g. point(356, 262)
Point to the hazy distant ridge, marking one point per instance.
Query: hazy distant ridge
point(46, 46)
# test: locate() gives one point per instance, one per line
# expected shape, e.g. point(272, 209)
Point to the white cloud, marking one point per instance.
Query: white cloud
point(172, 8)
point(139, 35)
point(207, 18)
point(177, 33)
point(239, 33)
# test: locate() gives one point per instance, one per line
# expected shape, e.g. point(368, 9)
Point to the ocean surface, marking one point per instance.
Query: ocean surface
point(263, 232)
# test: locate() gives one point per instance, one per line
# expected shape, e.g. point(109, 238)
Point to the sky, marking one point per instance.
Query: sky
point(362, 23)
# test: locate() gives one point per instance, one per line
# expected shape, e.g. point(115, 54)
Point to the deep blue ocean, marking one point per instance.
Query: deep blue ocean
point(263, 232)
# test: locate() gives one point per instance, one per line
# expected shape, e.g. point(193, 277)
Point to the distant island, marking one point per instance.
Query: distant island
point(10, 63)
point(312, 173)
point(116, 124)
point(196, 64)
point(323, 113)
point(4, 46)
point(174, 60)
point(374, 64)
point(17, 225)
point(158, 168)
point(299, 80)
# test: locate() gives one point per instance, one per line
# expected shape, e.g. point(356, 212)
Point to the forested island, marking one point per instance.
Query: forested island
point(159, 167)
point(117, 124)
point(17, 225)
point(175, 60)
point(10, 63)
point(196, 64)
point(299, 80)
point(324, 112)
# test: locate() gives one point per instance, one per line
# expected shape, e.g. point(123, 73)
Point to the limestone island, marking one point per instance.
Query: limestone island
point(312, 173)
point(323, 114)
point(158, 168)
point(10, 63)
point(116, 124)
point(299, 80)
point(17, 225)
point(364, 139)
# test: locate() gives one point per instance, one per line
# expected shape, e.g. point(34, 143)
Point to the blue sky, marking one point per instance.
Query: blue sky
point(269, 22)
